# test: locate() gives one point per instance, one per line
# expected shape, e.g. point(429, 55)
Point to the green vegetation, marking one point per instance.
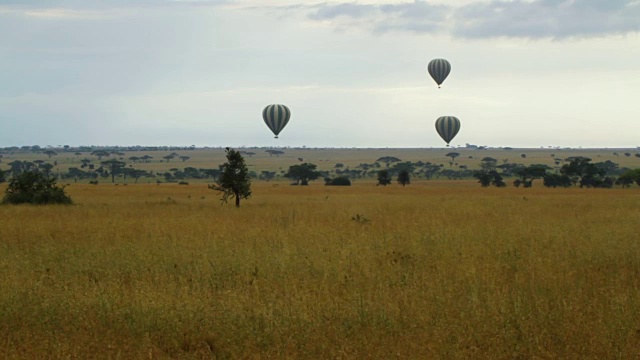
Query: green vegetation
point(35, 188)
point(339, 181)
point(404, 178)
point(234, 181)
point(202, 165)
point(303, 173)
point(486, 178)
point(384, 178)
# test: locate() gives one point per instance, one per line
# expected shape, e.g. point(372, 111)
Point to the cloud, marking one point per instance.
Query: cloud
point(547, 19)
point(556, 19)
point(414, 17)
point(90, 10)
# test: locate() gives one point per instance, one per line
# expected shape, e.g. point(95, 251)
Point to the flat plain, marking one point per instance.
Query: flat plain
point(327, 158)
point(436, 269)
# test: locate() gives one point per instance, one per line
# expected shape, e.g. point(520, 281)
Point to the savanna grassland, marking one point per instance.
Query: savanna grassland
point(434, 270)
point(324, 158)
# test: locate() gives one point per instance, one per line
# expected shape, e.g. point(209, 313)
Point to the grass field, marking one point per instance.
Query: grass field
point(438, 269)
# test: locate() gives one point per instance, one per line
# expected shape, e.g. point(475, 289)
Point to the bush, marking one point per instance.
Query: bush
point(339, 181)
point(557, 180)
point(34, 188)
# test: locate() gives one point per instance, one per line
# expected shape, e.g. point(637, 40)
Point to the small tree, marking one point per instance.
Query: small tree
point(404, 178)
point(589, 174)
point(430, 170)
point(50, 153)
point(2, 176)
point(453, 156)
point(114, 167)
point(629, 177)
point(100, 154)
point(384, 178)
point(555, 180)
point(234, 181)
point(526, 175)
point(388, 160)
point(486, 178)
point(31, 187)
point(339, 181)
point(488, 164)
point(303, 173)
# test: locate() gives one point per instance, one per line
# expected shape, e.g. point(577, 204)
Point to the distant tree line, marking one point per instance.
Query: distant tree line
point(578, 171)
point(111, 164)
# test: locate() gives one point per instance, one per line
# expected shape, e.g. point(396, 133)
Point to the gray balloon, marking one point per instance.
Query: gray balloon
point(439, 69)
point(276, 117)
point(447, 127)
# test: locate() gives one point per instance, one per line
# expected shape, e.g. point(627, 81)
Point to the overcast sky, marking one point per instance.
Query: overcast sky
point(199, 72)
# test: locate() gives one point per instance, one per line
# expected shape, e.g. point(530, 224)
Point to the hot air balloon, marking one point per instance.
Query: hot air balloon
point(447, 127)
point(439, 69)
point(276, 117)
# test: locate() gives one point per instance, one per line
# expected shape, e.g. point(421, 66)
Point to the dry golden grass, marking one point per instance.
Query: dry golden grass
point(432, 270)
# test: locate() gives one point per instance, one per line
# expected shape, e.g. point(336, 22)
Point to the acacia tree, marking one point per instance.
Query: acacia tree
point(589, 174)
point(453, 155)
point(626, 179)
point(114, 167)
point(50, 153)
point(404, 178)
point(486, 178)
point(384, 178)
point(431, 169)
point(488, 164)
point(527, 174)
point(234, 181)
point(303, 173)
point(100, 153)
point(388, 160)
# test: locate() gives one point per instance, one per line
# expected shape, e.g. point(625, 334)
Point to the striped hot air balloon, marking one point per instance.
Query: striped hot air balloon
point(439, 69)
point(276, 117)
point(447, 127)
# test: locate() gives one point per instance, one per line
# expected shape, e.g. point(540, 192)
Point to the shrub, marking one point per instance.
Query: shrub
point(557, 180)
point(34, 188)
point(339, 181)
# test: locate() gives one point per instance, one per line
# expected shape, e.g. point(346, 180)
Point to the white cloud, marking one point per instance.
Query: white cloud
point(70, 14)
point(488, 19)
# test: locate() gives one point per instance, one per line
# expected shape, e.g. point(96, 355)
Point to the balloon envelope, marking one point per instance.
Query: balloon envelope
point(276, 117)
point(439, 69)
point(447, 127)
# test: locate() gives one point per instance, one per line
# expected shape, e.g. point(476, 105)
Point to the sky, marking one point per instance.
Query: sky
point(525, 73)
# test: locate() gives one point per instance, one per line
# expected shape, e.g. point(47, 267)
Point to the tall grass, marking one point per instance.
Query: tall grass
point(426, 271)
